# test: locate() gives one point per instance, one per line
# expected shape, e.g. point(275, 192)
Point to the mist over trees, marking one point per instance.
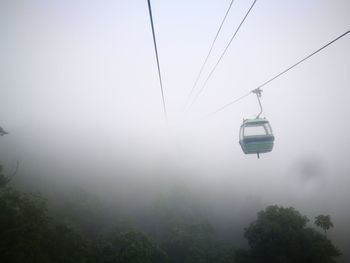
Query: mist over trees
point(175, 229)
point(104, 177)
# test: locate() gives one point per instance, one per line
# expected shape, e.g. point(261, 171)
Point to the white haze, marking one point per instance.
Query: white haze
point(80, 98)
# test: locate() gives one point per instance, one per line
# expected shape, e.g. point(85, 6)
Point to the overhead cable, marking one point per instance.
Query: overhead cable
point(280, 74)
point(157, 58)
point(210, 50)
point(221, 56)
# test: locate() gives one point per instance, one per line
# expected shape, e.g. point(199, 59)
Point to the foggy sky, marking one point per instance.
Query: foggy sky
point(80, 97)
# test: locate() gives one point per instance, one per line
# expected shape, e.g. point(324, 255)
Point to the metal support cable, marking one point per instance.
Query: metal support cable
point(157, 58)
point(229, 104)
point(221, 56)
point(210, 50)
point(296, 64)
point(280, 74)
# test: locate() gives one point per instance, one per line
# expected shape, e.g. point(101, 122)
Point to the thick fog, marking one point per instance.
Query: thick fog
point(81, 101)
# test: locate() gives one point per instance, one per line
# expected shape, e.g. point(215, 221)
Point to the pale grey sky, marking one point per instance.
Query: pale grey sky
point(79, 86)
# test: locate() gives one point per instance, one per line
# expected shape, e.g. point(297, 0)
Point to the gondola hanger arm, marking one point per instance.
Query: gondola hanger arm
point(258, 92)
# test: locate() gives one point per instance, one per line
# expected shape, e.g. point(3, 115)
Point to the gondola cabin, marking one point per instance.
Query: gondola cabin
point(256, 136)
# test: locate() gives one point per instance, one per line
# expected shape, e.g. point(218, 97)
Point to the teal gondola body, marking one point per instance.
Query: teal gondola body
point(256, 136)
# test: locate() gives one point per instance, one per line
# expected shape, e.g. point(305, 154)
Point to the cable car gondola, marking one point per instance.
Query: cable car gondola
point(256, 135)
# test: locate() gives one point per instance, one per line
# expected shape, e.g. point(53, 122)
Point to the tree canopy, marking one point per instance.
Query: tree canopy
point(324, 222)
point(280, 235)
point(29, 233)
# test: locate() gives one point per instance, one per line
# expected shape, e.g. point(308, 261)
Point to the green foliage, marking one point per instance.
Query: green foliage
point(66, 245)
point(188, 242)
point(133, 247)
point(23, 224)
point(182, 230)
point(324, 222)
point(280, 235)
point(4, 180)
point(28, 234)
point(82, 211)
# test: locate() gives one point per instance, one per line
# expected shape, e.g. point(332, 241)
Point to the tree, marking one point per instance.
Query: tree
point(185, 242)
point(27, 234)
point(182, 230)
point(324, 222)
point(280, 235)
point(23, 225)
point(132, 247)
